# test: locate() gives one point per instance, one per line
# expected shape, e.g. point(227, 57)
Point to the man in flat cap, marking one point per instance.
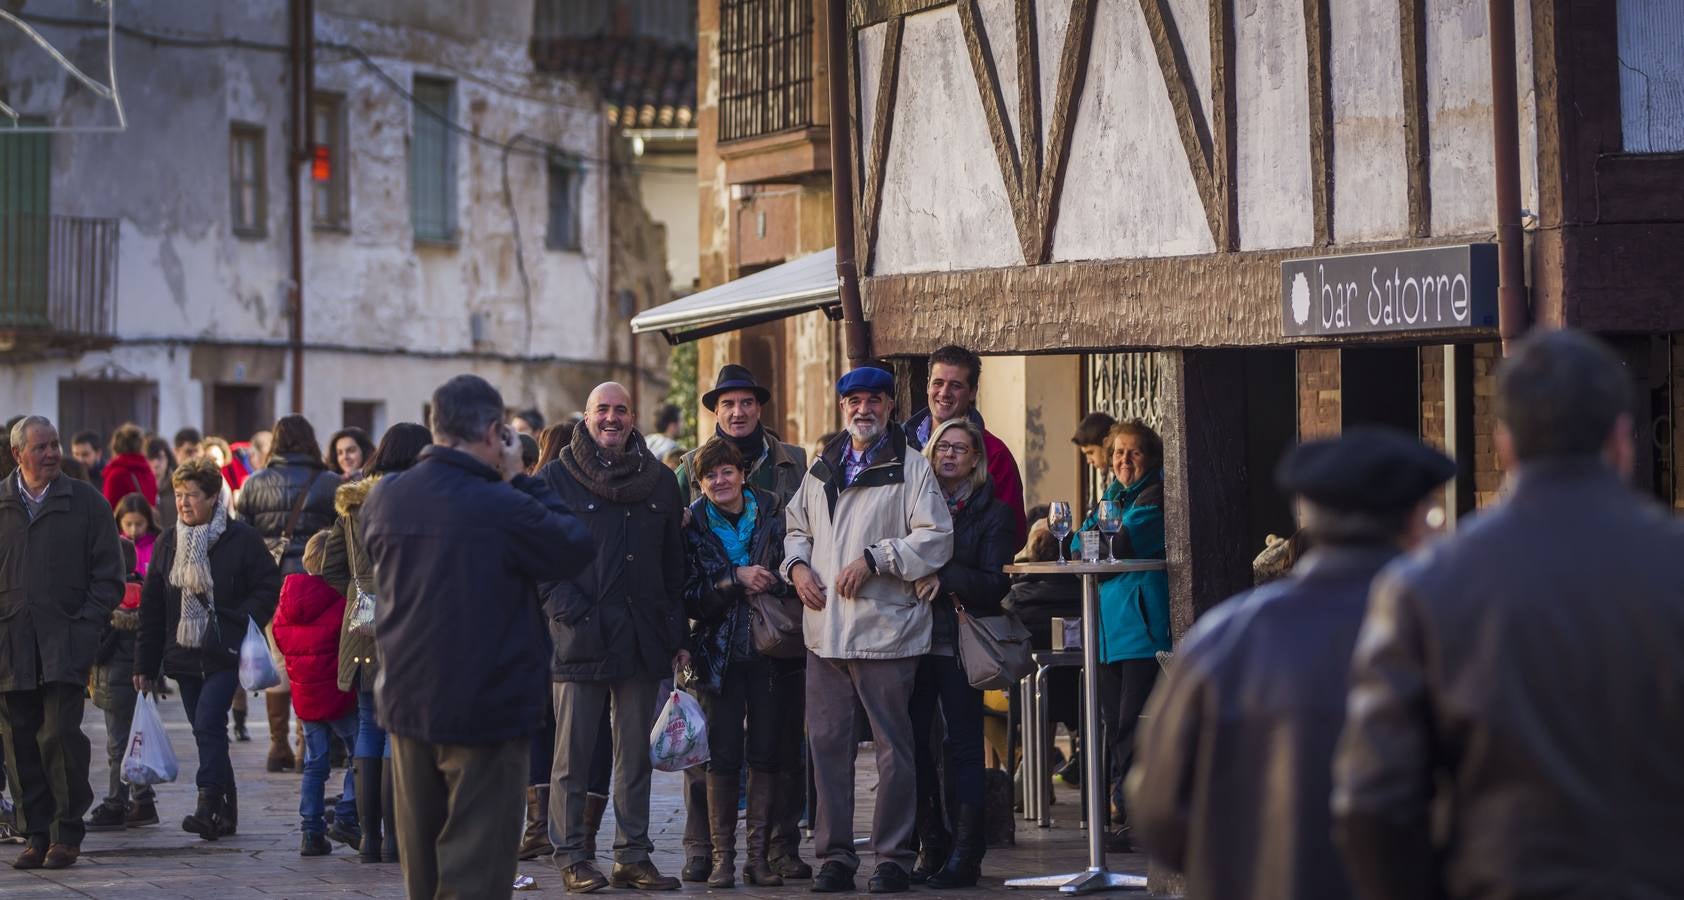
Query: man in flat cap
point(1517, 699)
point(1234, 768)
point(867, 522)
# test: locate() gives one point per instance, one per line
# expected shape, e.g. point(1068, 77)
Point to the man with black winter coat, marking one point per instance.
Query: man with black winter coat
point(618, 629)
point(61, 574)
point(459, 544)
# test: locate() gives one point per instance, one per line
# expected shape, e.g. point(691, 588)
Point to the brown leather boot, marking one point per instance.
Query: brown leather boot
point(783, 838)
point(762, 792)
point(722, 827)
point(583, 877)
point(535, 840)
point(595, 806)
point(281, 758)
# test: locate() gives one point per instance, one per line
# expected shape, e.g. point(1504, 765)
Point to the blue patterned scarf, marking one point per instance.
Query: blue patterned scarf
point(736, 537)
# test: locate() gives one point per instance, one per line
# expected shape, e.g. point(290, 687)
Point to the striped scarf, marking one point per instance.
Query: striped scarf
point(191, 573)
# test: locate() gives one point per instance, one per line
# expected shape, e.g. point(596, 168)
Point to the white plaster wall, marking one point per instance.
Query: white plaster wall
point(668, 182)
point(1459, 115)
point(183, 277)
point(870, 77)
point(1272, 170)
point(1128, 191)
point(944, 200)
point(1370, 185)
point(999, 23)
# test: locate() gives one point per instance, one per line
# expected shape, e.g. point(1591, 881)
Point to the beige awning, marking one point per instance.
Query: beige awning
point(797, 286)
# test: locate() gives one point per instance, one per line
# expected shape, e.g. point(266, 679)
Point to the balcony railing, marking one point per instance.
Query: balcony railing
point(58, 276)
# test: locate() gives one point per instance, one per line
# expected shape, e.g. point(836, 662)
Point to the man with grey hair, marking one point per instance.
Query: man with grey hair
point(1515, 711)
point(459, 543)
point(618, 629)
point(868, 521)
point(61, 575)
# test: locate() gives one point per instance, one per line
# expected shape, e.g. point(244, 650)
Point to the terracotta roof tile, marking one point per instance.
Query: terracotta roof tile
point(646, 83)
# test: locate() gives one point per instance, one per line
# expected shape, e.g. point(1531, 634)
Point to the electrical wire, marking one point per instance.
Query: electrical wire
point(546, 150)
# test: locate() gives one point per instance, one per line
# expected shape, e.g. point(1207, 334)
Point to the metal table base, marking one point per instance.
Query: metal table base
point(1097, 877)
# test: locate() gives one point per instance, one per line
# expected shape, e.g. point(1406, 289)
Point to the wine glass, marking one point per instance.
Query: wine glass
point(1110, 522)
point(1059, 523)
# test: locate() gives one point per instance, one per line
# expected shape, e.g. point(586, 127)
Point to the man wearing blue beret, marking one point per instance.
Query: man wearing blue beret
point(867, 522)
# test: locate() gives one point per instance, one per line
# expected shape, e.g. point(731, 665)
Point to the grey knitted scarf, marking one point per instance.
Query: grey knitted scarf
point(191, 573)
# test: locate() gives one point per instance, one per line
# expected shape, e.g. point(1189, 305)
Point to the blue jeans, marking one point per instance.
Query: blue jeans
point(207, 701)
point(310, 792)
point(941, 682)
point(371, 738)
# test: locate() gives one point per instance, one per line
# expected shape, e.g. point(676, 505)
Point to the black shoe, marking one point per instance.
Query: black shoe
point(141, 813)
point(240, 732)
point(314, 845)
point(109, 815)
point(889, 879)
point(1119, 840)
point(341, 833)
point(696, 869)
point(833, 878)
point(964, 866)
point(205, 821)
point(934, 841)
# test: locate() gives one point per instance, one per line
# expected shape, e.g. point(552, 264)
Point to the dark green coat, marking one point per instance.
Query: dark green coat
point(60, 577)
point(359, 664)
point(779, 470)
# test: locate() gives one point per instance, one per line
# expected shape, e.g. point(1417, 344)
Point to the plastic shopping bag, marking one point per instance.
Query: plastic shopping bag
point(680, 737)
point(257, 669)
point(149, 759)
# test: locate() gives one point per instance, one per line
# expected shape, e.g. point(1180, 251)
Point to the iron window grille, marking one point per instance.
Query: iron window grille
point(765, 67)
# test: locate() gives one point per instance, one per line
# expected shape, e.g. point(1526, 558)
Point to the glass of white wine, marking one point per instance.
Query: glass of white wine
point(1059, 522)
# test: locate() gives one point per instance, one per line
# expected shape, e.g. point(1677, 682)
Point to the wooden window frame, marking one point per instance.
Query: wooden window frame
point(330, 201)
point(239, 134)
point(449, 233)
point(560, 234)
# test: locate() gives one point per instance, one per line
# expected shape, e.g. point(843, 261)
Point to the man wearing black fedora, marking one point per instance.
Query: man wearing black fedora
point(737, 402)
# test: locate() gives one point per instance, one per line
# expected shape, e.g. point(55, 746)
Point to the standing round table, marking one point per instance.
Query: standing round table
point(1096, 877)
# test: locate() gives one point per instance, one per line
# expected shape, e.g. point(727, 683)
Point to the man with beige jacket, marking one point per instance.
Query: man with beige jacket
point(867, 522)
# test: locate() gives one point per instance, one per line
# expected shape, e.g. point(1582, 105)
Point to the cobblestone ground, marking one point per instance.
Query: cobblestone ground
point(263, 861)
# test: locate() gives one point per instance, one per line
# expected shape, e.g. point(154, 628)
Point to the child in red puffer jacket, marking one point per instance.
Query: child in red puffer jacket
point(307, 634)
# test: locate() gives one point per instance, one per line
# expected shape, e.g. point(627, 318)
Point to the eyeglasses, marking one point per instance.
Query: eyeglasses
point(955, 449)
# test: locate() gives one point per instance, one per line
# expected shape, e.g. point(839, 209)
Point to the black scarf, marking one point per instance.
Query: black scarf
point(628, 479)
point(751, 445)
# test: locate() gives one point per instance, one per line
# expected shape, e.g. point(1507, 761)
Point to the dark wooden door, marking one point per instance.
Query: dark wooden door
point(101, 406)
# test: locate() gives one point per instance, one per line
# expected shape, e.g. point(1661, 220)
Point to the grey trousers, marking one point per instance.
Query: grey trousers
point(883, 687)
point(458, 811)
point(578, 714)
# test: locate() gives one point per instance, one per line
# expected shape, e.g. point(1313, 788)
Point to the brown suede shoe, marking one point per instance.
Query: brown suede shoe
point(61, 856)
point(32, 857)
point(642, 876)
point(583, 877)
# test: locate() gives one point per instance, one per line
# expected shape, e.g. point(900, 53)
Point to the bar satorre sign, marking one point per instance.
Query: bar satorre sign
point(1431, 288)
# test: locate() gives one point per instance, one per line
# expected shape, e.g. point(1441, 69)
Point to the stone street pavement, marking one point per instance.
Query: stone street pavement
point(263, 861)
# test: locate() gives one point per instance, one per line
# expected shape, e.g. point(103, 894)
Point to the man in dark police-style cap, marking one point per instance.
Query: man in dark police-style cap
point(1235, 768)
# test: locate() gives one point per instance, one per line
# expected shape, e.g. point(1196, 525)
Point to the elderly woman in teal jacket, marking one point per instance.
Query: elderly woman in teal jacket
point(1133, 606)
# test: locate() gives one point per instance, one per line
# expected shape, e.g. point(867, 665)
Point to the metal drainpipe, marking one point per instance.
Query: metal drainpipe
point(303, 55)
point(856, 331)
point(1513, 311)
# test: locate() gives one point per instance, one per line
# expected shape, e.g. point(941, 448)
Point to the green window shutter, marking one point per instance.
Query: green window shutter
point(432, 161)
point(25, 205)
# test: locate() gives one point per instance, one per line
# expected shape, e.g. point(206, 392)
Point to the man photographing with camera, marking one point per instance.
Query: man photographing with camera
point(459, 543)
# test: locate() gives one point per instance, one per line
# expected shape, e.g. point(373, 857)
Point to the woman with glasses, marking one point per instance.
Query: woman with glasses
point(984, 539)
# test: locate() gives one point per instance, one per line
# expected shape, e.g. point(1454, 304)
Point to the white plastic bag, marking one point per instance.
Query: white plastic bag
point(149, 759)
point(257, 669)
point(680, 737)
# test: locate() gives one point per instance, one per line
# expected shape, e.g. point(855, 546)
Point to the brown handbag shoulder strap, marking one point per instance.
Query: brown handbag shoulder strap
point(298, 507)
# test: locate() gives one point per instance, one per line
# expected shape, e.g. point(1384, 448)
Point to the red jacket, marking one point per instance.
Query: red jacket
point(129, 473)
point(307, 632)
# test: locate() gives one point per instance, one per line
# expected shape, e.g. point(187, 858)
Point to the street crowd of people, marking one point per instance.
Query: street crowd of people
point(487, 614)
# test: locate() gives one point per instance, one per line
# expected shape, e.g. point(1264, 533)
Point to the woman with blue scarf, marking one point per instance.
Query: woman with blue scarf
point(733, 545)
point(1133, 606)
